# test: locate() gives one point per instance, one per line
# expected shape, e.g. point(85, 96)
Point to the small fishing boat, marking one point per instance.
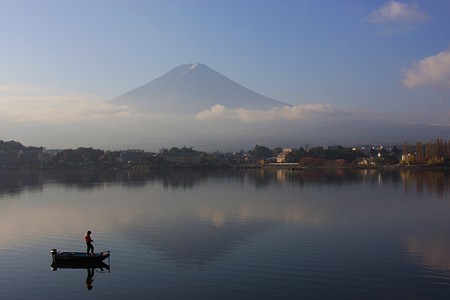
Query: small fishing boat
point(78, 257)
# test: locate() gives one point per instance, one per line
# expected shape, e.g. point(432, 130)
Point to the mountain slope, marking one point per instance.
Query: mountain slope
point(191, 88)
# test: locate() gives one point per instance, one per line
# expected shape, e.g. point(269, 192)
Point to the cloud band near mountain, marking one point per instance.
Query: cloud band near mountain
point(287, 113)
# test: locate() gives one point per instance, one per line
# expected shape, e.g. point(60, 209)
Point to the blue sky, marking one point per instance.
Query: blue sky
point(387, 58)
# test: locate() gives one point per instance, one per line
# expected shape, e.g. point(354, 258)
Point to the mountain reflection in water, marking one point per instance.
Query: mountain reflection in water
point(230, 234)
point(194, 242)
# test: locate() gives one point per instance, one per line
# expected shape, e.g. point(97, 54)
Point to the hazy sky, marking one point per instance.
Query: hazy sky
point(61, 60)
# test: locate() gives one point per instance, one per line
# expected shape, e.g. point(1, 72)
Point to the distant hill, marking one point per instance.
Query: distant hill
point(191, 88)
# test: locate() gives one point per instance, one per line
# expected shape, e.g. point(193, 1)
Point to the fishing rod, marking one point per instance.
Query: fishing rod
point(99, 249)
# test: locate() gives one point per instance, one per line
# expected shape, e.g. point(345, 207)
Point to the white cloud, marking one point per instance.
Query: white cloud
point(70, 121)
point(6, 88)
point(395, 11)
point(55, 109)
point(430, 71)
point(288, 113)
point(396, 17)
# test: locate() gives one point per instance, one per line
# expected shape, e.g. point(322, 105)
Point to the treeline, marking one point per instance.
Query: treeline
point(9, 146)
point(431, 153)
point(332, 156)
point(13, 154)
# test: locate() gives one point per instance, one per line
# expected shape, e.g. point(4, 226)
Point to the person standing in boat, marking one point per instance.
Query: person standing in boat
point(89, 241)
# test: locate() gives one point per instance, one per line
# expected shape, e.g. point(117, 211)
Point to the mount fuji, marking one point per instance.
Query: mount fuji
point(192, 88)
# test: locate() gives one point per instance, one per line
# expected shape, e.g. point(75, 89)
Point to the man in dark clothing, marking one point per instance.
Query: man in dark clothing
point(89, 241)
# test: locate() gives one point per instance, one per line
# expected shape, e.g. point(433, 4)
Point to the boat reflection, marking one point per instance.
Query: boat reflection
point(80, 265)
point(91, 269)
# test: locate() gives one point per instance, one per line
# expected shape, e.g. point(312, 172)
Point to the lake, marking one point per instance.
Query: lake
point(229, 234)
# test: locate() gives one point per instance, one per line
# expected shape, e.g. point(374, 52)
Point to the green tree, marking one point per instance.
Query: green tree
point(11, 146)
point(276, 151)
point(261, 152)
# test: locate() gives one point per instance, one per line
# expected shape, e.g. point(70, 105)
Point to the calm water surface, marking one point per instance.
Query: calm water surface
point(258, 234)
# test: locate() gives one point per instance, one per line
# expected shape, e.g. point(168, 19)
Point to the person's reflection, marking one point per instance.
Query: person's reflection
point(89, 278)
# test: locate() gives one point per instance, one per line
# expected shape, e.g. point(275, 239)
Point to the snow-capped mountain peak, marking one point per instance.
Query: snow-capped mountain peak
point(194, 65)
point(191, 88)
